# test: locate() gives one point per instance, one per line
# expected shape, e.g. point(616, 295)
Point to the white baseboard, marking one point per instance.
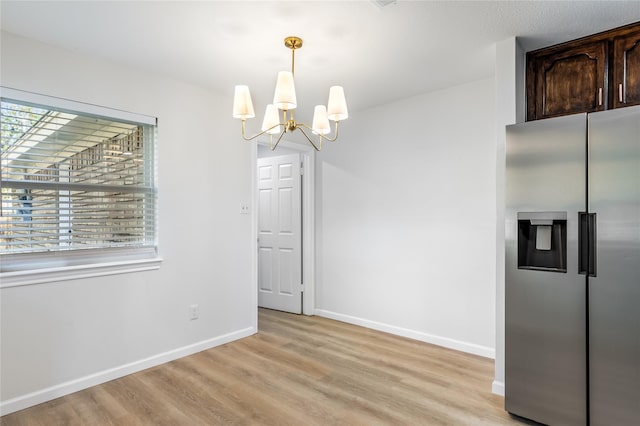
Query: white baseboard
point(62, 389)
point(446, 342)
point(497, 388)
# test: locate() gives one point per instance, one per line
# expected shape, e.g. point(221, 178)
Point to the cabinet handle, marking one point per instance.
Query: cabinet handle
point(600, 96)
point(620, 92)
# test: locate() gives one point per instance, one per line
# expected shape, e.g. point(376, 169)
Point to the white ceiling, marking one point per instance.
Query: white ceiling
point(378, 54)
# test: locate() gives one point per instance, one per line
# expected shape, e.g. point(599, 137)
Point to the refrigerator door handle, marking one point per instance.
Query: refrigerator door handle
point(587, 244)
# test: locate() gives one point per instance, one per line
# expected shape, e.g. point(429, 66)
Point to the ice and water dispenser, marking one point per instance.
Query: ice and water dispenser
point(542, 241)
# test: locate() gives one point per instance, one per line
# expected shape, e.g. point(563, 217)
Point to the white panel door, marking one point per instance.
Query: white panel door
point(280, 233)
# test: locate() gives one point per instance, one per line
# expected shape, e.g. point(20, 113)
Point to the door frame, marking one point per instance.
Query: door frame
point(307, 154)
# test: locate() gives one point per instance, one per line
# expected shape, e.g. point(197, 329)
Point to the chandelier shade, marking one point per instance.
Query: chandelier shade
point(285, 96)
point(284, 99)
point(242, 105)
point(320, 124)
point(337, 105)
point(271, 121)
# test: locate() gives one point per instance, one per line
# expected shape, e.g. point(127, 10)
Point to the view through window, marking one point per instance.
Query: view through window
point(72, 181)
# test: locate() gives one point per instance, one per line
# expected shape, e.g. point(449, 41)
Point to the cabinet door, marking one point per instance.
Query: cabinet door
point(569, 81)
point(626, 70)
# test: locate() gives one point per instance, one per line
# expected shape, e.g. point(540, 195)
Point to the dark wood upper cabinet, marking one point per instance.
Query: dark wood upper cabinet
point(586, 75)
point(626, 70)
point(567, 82)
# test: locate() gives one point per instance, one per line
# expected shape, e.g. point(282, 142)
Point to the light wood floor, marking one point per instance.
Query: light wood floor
point(297, 370)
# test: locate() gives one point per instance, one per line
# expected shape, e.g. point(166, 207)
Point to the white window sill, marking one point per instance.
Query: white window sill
point(64, 273)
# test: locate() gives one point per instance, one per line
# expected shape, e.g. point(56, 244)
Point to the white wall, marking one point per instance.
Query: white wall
point(406, 219)
point(510, 109)
point(59, 337)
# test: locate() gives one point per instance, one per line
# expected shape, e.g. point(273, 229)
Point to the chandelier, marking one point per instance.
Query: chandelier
point(284, 99)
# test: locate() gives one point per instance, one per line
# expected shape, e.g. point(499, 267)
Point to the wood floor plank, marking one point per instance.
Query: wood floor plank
point(297, 370)
point(96, 406)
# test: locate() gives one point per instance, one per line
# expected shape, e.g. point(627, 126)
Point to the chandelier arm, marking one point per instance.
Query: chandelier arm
point(278, 141)
point(336, 134)
point(300, 125)
point(259, 134)
point(323, 136)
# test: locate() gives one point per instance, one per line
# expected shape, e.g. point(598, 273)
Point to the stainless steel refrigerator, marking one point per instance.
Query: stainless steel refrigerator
point(572, 269)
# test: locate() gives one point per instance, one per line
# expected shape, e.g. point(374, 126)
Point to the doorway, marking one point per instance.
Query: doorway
point(305, 238)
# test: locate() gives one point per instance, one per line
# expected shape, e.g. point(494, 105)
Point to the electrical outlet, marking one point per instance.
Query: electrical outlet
point(194, 312)
point(245, 209)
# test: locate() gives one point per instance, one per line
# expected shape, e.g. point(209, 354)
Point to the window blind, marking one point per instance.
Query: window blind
point(72, 181)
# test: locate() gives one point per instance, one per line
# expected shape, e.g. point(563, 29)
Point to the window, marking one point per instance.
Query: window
point(78, 185)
